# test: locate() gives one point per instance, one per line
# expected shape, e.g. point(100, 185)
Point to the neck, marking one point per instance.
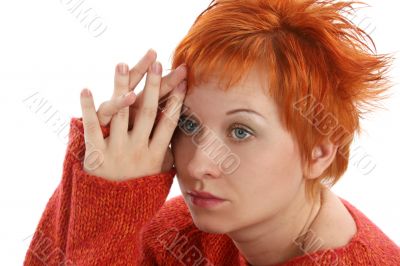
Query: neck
point(280, 238)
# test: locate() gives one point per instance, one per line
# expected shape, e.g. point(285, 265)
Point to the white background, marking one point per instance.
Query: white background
point(46, 51)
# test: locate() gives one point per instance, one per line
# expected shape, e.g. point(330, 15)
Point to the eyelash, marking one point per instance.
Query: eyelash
point(233, 127)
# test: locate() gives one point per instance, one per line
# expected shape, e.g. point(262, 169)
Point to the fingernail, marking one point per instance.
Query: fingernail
point(86, 93)
point(151, 50)
point(156, 68)
point(183, 66)
point(182, 86)
point(122, 69)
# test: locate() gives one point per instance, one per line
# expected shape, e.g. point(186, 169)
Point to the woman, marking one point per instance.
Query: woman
point(275, 90)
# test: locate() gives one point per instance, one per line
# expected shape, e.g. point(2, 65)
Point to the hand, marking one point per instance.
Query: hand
point(107, 109)
point(131, 154)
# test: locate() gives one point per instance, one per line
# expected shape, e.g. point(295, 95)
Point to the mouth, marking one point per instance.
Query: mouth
point(203, 195)
point(204, 199)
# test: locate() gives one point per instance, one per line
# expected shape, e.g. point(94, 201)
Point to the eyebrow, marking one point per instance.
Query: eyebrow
point(249, 111)
point(244, 110)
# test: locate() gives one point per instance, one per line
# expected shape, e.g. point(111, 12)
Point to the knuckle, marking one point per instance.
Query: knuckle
point(153, 81)
point(102, 108)
point(123, 112)
point(174, 103)
point(102, 113)
point(166, 84)
point(121, 84)
point(90, 126)
point(169, 122)
point(85, 104)
point(149, 111)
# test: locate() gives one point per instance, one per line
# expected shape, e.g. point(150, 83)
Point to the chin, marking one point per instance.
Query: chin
point(207, 228)
point(210, 225)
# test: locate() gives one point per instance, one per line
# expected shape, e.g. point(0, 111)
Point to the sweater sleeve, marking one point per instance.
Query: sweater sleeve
point(89, 220)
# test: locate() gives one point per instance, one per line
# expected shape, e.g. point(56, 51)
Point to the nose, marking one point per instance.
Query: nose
point(204, 163)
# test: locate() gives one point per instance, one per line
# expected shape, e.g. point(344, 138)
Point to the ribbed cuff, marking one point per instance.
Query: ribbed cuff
point(138, 197)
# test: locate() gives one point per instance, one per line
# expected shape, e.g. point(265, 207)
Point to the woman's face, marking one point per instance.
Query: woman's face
point(265, 172)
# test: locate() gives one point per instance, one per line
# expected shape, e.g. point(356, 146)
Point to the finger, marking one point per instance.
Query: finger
point(119, 122)
point(121, 78)
point(135, 76)
point(139, 70)
point(92, 131)
point(169, 119)
point(109, 108)
point(171, 81)
point(168, 83)
point(147, 111)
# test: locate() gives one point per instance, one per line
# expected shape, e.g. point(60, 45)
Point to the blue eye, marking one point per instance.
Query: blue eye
point(190, 127)
point(241, 133)
point(187, 125)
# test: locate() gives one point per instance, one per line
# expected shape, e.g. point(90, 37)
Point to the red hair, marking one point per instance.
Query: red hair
point(318, 66)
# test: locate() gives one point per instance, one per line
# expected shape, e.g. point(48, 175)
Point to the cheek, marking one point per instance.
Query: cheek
point(284, 169)
point(176, 142)
point(181, 150)
point(269, 177)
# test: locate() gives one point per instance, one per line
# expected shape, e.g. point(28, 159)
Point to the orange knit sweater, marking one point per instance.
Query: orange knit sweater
point(92, 221)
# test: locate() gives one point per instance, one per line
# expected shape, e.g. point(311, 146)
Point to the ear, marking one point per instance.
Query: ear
point(321, 158)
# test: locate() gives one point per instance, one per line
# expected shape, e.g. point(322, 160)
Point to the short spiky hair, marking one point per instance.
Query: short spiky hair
point(319, 66)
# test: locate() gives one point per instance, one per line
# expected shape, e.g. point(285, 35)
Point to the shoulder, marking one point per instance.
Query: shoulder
point(367, 244)
point(370, 236)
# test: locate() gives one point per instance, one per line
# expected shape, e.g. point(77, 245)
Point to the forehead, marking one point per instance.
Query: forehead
point(250, 92)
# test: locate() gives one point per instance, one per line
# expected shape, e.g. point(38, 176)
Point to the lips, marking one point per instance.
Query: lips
point(202, 195)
